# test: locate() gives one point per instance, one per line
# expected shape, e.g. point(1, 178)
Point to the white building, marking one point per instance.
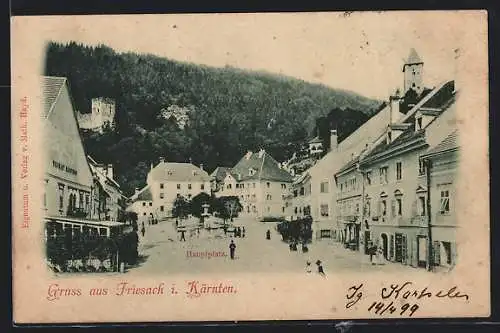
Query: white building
point(260, 183)
point(142, 204)
point(168, 180)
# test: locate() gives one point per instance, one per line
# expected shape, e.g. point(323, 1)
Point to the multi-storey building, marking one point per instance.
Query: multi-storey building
point(68, 184)
point(168, 180)
point(108, 191)
point(440, 165)
point(394, 189)
point(260, 183)
point(142, 204)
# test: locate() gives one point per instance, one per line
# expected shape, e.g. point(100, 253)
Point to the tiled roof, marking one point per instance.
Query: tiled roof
point(413, 58)
point(266, 167)
point(185, 172)
point(143, 195)
point(449, 143)
point(349, 164)
point(220, 173)
point(51, 87)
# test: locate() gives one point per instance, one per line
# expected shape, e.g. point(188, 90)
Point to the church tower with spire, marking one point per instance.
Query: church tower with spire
point(413, 70)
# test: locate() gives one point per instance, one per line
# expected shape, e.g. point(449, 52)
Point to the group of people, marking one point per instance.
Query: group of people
point(238, 231)
point(376, 254)
point(319, 266)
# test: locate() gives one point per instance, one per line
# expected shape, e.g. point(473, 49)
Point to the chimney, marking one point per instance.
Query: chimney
point(201, 166)
point(190, 160)
point(109, 171)
point(333, 140)
point(394, 104)
point(162, 159)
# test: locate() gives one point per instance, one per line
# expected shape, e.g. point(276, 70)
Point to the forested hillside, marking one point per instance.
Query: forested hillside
point(230, 110)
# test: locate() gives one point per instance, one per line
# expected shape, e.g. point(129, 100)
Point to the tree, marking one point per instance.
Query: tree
point(180, 207)
point(196, 204)
point(227, 207)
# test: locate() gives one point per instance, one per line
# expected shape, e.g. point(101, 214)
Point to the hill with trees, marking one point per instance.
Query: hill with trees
point(228, 110)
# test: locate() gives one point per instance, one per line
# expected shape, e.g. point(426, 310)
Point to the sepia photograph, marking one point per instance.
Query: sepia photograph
point(322, 146)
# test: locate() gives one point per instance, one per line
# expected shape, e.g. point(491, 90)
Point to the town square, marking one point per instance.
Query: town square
point(156, 166)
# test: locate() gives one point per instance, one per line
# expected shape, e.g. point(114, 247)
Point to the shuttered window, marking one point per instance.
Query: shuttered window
point(391, 247)
point(436, 252)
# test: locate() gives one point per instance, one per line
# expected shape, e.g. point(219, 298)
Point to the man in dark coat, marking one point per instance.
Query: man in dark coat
point(232, 249)
point(320, 268)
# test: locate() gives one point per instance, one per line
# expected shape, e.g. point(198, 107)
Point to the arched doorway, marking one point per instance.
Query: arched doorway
point(384, 245)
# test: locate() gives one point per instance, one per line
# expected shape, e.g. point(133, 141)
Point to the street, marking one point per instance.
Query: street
point(163, 252)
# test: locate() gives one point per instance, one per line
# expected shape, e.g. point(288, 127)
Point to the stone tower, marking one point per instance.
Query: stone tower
point(413, 70)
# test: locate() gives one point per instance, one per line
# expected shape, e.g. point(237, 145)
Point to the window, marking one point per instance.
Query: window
point(323, 210)
point(295, 193)
point(189, 196)
point(144, 213)
point(341, 187)
point(253, 185)
point(61, 196)
point(268, 197)
point(399, 170)
point(268, 184)
point(383, 206)
point(282, 209)
point(295, 210)
point(189, 186)
point(324, 187)
point(419, 123)
point(445, 202)
point(143, 204)
point(421, 206)
point(228, 186)
point(162, 195)
point(254, 196)
point(399, 206)
point(421, 167)
point(368, 207)
point(178, 186)
point(283, 186)
point(162, 208)
point(383, 175)
point(202, 187)
point(369, 178)
point(302, 190)
point(150, 204)
point(161, 185)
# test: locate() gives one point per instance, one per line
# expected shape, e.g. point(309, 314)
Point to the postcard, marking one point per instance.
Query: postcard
point(250, 166)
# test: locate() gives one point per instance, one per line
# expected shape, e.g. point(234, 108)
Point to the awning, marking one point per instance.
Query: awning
point(62, 219)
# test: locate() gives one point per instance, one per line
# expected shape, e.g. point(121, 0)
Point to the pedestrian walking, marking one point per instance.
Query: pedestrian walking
point(308, 267)
point(143, 229)
point(243, 232)
point(183, 236)
point(320, 268)
point(232, 249)
point(268, 234)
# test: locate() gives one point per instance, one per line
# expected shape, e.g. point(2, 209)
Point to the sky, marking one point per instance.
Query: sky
point(362, 52)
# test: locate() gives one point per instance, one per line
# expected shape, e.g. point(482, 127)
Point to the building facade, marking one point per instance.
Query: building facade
point(395, 190)
point(167, 181)
point(68, 181)
point(260, 183)
point(107, 191)
point(142, 204)
point(441, 164)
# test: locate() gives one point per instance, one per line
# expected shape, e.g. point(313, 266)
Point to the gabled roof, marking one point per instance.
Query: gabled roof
point(413, 58)
point(143, 195)
point(183, 172)
point(51, 89)
point(94, 168)
point(220, 173)
point(449, 143)
point(267, 168)
point(409, 136)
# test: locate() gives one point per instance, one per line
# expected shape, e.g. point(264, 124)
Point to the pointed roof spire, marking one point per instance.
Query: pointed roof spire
point(413, 58)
